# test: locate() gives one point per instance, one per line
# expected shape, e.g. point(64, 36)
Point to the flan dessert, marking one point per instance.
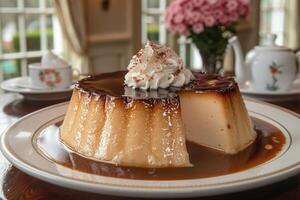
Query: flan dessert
point(215, 115)
point(144, 116)
point(129, 131)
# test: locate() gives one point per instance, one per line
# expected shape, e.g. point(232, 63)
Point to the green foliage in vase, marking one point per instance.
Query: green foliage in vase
point(212, 43)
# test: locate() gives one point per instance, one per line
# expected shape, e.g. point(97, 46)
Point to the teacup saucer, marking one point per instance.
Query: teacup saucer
point(23, 86)
point(269, 96)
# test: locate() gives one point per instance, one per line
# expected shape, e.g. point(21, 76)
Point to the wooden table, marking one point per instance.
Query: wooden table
point(18, 185)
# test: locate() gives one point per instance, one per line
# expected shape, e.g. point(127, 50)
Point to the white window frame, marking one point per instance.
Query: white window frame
point(194, 60)
point(158, 12)
point(23, 55)
point(271, 8)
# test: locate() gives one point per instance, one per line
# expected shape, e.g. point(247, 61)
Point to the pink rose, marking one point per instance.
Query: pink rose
point(188, 6)
point(245, 2)
point(198, 3)
point(232, 5)
point(224, 21)
point(175, 9)
point(243, 11)
point(189, 17)
point(184, 16)
point(205, 8)
point(198, 28)
point(218, 14)
point(196, 17)
point(185, 32)
point(178, 18)
point(233, 17)
point(211, 1)
point(181, 28)
point(209, 21)
point(219, 4)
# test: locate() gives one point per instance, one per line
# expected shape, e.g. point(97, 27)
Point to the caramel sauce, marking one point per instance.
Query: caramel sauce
point(207, 162)
point(112, 84)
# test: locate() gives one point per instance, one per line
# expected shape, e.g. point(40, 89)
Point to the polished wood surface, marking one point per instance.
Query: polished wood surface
point(18, 185)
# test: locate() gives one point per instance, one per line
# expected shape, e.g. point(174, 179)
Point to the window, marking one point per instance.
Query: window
point(153, 29)
point(26, 32)
point(272, 20)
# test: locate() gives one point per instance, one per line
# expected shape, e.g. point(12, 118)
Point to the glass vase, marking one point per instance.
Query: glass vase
point(212, 62)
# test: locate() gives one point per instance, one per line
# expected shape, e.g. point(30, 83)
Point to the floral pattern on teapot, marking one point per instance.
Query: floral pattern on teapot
point(275, 72)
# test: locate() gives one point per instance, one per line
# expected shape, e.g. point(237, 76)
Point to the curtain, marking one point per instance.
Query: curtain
point(71, 17)
point(292, 24)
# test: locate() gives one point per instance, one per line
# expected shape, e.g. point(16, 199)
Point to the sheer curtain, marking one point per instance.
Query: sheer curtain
point(293, 24)
point(71, 17)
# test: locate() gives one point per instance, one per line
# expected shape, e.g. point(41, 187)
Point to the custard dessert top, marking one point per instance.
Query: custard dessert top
point(112, 84)
point(211, 82)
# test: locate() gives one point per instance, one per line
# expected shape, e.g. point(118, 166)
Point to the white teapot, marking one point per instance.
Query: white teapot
point(267, 68)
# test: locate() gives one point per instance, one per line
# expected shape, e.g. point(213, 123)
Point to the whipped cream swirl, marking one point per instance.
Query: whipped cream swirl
point(156, 66)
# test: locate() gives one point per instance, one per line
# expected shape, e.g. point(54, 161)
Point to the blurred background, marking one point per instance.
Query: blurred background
point(101, 35)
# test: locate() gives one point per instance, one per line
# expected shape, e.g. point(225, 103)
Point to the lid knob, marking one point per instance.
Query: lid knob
point(270, 39)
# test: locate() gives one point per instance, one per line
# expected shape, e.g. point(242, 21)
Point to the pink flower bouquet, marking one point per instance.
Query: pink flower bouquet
point(209, 23)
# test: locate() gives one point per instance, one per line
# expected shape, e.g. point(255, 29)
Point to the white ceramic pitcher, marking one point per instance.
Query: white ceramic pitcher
point(267, 68)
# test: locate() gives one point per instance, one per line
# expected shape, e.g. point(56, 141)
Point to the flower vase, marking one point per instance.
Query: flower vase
point(209, 24)
point(212, 62)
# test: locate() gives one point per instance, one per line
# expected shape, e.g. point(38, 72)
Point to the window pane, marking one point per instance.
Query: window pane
point(278, 3)
point(50, 32)
point(153, 28)
point(31, 3)
point(9, 33)
point(33, 37)
point(265, 22)
point(10, 68)
point(264, 4)
point(33, 60)
point(49, 3)
point(277, 21)
point(152, 3)
point(8, 3)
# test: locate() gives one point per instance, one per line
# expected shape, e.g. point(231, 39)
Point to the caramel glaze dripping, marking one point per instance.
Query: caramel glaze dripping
point(207, 162)
point(112, 85)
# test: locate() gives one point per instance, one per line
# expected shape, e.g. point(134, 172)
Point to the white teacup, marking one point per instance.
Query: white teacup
point(50, 77)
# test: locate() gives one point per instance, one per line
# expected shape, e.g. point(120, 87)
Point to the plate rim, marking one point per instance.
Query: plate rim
point(245, 89)
point(25, 91)
point(140, 192)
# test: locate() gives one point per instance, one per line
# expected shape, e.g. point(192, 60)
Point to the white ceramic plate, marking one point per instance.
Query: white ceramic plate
point(23, 86)
point(292, 94)
point(17, 145)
